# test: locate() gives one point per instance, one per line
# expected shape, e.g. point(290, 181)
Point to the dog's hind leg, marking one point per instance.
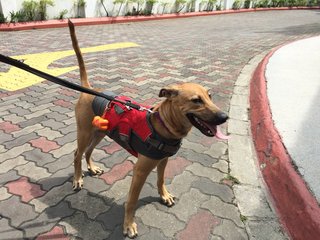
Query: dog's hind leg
point(92, 168)
point(166, 197)
point(83, 140)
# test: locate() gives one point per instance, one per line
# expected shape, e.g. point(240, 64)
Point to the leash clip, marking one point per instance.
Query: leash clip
point(145, 109)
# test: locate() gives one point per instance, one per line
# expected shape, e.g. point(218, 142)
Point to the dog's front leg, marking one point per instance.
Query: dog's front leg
point(141, 171)
point(166, 197)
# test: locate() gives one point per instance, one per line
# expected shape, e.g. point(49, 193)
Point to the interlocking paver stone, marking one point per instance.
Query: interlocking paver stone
point(199, 226)
point(8, 127)
point(16, 151)
point(44, 144)
point(19, 111)
point(79, 225)
point(6, 107)
point(91, 205)
point(217, 149)
point(60, 117)
point(4, 193)
point(175, 167)
point(188, 204)
point(5, 137)
point(182, 183)
point(228, 230)
point(8, 232)
point(11, 163)
point(46, 220)
point(55, 233)
point(119, 189)
point(222, 166)
point(32, 171)
point(213, 174)
point(193, 156)
point(53, 124)
point(69, 137)
point(27, 123)
point(25, 212)
point(112, 218)
point(49, 134)
point(56, 179)
point(39, 157)
point(27, 130)
point(117, 172)
point(9, 176)
point(207, 53)
point(223, 210)
point(52, 197)
point(168, 223)
point(60, 163)
point(212, 188)
point(25, 189)
point(65, 149)
point(20, 140)
point(37, 114)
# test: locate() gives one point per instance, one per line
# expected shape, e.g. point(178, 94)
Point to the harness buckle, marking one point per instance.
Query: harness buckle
point(161, 146)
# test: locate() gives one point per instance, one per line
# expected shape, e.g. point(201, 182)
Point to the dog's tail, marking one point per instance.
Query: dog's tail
point(83, 72)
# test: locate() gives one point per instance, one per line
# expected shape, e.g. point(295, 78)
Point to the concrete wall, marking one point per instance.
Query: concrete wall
point(10, 5)
point(94, 8)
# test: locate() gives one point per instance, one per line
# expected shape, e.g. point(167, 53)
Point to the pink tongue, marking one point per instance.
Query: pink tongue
point(219, 135)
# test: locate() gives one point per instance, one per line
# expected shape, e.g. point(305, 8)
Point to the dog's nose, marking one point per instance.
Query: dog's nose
point(222, 117)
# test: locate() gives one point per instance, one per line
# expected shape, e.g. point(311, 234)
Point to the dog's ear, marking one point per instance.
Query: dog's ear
point(168, 92)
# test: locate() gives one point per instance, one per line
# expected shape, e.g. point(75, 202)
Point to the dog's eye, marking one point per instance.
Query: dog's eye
point(210, 95)
point(197, 100)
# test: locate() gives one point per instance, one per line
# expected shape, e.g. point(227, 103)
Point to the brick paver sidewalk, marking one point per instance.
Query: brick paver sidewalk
point(38, 136)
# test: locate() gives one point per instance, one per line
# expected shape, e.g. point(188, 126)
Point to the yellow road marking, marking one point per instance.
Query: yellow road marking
point(16, 79)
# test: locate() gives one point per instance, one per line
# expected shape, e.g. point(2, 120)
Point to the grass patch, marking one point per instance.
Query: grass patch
point(232, 179)
point(243, 218)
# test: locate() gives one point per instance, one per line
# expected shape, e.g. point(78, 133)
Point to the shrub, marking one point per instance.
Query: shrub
point(42, 8)
point(263, 3)
point(36, 10)
point(149, 6)
point(191, 5)
point(30, 9)
point(301, 2)
point(62, 14)
point(236, 5)
point(3, 19)
point(247, 4)
point(211, 4)
point(19, 16)
point(179, 5)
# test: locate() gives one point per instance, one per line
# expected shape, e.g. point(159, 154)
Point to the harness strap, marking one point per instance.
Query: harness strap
point(162, 146)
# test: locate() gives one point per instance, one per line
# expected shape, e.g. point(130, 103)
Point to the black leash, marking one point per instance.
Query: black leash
point(62, 82)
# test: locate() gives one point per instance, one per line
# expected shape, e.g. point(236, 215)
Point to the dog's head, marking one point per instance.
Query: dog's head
point(195, 105)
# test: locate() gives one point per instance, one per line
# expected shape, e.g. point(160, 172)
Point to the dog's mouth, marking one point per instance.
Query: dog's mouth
point(206, 128)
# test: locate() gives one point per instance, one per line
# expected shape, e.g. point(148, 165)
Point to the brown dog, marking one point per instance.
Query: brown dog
point(185, 105)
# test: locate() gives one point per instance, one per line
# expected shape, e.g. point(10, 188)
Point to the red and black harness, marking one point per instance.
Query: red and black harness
point(132, 129)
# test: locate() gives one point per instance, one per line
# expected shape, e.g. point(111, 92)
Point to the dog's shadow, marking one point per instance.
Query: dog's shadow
point(87, 213)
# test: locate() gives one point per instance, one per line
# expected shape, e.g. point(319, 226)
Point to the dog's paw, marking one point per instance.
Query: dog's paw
point(130, 230)
point(77, 184)
point(168, 199)
point(94, 170)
